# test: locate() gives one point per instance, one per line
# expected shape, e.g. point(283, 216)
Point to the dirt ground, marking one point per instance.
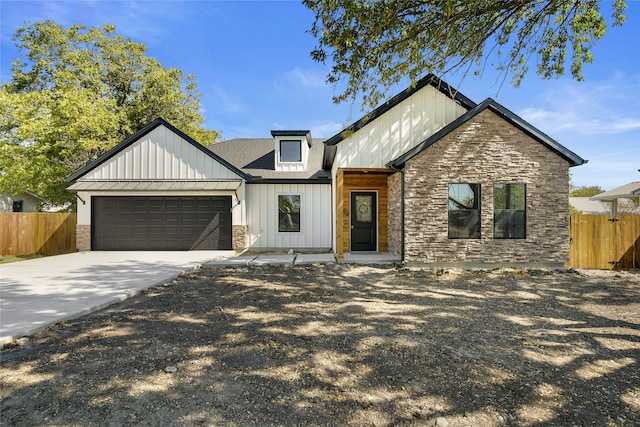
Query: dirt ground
point(341, 345)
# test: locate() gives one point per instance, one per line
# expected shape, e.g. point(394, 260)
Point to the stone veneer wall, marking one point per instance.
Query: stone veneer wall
point(239, 237)
point(394, 185)
point(486, 150)
point(83, 237)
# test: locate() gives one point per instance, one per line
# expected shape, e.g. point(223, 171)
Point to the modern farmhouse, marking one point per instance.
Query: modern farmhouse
point(429, 176)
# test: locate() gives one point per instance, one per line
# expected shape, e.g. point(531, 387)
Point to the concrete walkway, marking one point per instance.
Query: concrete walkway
point(269, 259)
point(306, 259)
point(39, 292)
point(43, 291)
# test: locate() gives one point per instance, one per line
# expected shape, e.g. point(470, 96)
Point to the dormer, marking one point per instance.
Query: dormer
point(291, 149)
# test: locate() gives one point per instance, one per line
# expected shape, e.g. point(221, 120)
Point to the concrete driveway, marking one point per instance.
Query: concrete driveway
point(39, 292)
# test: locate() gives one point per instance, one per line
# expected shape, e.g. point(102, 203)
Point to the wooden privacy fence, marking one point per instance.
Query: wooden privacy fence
point(604, 241)
point(37, 233)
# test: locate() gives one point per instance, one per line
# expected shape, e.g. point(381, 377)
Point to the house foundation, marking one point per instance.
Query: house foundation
point(83, 237)
point(239, 237)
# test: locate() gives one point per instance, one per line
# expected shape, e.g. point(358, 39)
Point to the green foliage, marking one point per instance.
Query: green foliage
point(77, 92)
point(374, 44)
point(585, 191)
point(509, 196)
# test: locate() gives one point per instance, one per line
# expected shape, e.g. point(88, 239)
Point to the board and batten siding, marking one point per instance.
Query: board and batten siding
point(161, 155)
point(398, 130)
point(315, 216)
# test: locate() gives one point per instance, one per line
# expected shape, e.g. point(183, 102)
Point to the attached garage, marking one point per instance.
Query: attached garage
point(161, 223)
point(160, 190)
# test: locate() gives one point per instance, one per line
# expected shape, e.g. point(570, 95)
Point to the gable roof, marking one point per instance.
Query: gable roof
point(506, 114)
point(256, 157)
point(587, 206)
point(144, 131)
point(429, 79)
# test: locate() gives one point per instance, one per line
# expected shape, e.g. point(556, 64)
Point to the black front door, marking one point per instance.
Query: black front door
point(363, 221)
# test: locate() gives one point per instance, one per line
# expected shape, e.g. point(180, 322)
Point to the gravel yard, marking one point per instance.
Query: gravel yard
point(341, 345)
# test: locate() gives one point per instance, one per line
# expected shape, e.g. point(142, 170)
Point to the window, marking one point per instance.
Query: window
point(18, 205)
point(509, 211)
point(289, 213)
point(464, 211)
point(290, 151)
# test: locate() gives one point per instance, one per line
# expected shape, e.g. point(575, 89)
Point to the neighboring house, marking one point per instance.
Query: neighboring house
point(22, 202)
point(585, 205)
point(622, 200)
point(430, 176)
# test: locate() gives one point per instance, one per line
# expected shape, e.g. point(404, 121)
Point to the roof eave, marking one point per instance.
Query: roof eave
point(429, 79)
point(142, 132)
point(568, 155)
point(302, 133)
point(261, 180)
point(564, 152)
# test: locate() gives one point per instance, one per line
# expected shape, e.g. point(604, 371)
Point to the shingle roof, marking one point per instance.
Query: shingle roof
point(256, 157)
point(628, 190)
point(537, 134)
point(587, 206)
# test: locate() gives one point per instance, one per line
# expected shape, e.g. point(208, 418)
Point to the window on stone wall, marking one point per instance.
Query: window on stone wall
point(289, 213)
point(464, 211)
point(509, 211)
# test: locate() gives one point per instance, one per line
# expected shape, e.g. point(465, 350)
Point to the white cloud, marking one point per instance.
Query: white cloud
point(599, 171)
point(319, 129)
point(306, 79)
point(225, 102)
point(325, 128)
point(565, 118)
point(605, 107)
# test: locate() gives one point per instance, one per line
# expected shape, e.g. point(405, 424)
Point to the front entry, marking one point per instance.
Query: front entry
point(364, 221)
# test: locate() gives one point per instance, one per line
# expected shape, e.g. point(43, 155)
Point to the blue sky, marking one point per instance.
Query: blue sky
point(252, 65)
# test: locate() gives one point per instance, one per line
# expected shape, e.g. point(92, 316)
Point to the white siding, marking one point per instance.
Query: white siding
point(292, 166)
point(315, 216)
point(29, 202)
point(161, 154)
point(398, 130)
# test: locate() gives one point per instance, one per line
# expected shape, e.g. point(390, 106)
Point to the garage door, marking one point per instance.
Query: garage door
point(160, 223)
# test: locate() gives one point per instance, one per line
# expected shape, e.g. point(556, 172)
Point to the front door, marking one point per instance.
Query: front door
point(364, 221)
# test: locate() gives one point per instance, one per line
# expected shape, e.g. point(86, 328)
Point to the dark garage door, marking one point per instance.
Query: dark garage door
point(160, 223)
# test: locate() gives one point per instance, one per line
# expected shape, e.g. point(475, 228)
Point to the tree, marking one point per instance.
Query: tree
point(77, 92)
point(585, 191)
point(375, 44)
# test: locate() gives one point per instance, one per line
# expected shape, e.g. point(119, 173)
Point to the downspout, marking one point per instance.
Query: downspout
point(402, 201)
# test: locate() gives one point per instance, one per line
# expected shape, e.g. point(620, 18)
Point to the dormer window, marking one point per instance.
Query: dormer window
point(290, 150)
